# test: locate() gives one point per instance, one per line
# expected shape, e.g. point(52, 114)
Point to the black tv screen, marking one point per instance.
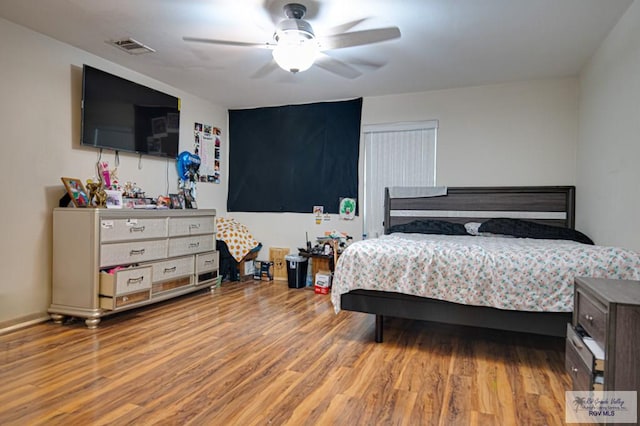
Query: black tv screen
point(121, 115)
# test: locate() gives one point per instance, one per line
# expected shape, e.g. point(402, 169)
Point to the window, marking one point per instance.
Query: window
point(291, 158)
point(401, 154)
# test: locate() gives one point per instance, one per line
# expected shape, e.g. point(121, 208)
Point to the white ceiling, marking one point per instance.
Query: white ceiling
point(444, 43)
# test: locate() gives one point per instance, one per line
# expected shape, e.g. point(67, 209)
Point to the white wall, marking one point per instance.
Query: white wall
point(41, 90)
point(509, 134)
point(608, 175)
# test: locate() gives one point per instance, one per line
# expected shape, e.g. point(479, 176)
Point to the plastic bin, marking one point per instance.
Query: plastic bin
point(296, 270)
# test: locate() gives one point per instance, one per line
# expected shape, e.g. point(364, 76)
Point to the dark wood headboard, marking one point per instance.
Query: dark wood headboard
point(553, 205)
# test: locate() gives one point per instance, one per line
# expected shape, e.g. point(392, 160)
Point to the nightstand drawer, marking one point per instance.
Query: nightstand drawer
point(592, 317)
point(579, 347)
point(581, 375)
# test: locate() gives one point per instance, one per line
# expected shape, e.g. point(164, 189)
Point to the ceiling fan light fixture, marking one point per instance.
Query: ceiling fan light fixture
point(295, 47)
point(296, 51)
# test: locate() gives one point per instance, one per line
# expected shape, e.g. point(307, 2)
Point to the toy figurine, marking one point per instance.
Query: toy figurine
point(101, 197)
point(97, 196)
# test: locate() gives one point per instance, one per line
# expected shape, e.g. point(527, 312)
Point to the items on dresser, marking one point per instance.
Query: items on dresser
point(601, 348)
point(106, 261)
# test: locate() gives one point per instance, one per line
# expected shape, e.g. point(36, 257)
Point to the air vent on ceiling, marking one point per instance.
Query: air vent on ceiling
point(131, 46)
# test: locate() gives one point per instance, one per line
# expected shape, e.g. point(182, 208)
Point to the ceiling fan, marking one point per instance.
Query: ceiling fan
point(295, 46)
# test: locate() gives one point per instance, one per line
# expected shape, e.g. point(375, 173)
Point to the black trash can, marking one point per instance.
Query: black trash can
point(296, 270)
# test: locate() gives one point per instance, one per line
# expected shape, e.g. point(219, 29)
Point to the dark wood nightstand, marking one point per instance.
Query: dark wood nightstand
point(602, 349)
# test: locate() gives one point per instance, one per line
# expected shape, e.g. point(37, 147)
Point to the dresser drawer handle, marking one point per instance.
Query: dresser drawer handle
point(588, 317)
point(136, 229)
point(208, 262)
point(194, 226)
point(194, 245)
point(576, 343)
point(135, 280)
point(136, 252)
point(168, 270)
point(574, 369)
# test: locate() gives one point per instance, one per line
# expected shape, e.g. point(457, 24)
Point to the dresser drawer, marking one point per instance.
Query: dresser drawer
point(196, 225)
point(132, 229)
point(134, 252)
point(112, 303)
point(125, 281)
point(591, 316)
point(180, 282)
point(172, 268)
point(207, 261)
point(206, 278)
point(190, 245)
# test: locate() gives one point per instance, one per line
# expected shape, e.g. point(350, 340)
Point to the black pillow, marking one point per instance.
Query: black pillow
point(430, 226)
point(525, 229)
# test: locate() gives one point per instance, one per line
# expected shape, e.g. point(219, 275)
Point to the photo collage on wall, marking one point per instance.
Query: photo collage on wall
point(207, 147)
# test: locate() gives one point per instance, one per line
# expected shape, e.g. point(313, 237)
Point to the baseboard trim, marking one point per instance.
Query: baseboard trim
point(17, 324)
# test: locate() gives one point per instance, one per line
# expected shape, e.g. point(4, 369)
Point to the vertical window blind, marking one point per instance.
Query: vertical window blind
point(401, 154)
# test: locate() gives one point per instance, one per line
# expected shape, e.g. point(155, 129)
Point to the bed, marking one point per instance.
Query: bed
point(518, 284)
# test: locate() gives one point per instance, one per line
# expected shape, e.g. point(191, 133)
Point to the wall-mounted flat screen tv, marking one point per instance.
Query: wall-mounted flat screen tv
point(121, 115)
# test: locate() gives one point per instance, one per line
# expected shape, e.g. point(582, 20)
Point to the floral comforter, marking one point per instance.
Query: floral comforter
point(506, 273)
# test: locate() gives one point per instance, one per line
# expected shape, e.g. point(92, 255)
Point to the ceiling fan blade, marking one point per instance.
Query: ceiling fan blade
point(265, 70)
point(359, 38)
point(367, 64)
point(228, 42)
point(337, 67)
point(339, 29)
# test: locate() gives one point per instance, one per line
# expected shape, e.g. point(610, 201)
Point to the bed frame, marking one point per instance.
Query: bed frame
point(553, 205)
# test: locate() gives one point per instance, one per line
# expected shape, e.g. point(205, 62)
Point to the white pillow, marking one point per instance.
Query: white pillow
point(472, 228)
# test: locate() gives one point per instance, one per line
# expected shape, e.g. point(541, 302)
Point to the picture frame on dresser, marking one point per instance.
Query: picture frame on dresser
point(189, 201)
point(139, 203)
point(114, 199)
point(76, 191)
point(175, 201)
point(128, 202)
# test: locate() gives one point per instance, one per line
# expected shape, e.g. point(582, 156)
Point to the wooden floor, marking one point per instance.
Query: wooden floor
point(261, 353)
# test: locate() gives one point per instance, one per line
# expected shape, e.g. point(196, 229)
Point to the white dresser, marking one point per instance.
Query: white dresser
point(157, 254)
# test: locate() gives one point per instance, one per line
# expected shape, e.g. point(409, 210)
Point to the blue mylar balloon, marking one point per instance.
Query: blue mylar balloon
point(188, 165)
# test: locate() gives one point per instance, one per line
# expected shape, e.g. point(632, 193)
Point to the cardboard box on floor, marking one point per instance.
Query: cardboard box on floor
point(277, 255)
point(322, 282)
